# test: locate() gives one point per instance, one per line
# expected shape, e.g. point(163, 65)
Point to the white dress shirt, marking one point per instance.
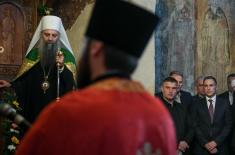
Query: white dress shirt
point(230, 98)
point(213, 101)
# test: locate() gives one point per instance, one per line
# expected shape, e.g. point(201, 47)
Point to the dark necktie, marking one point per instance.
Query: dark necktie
point(211, 109)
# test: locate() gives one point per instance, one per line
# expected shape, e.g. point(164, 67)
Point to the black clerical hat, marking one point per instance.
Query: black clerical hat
point(122, 25)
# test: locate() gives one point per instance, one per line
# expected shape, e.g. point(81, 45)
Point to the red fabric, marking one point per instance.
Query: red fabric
point(98, 121)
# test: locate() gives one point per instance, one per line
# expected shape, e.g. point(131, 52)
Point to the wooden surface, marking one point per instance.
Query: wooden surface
point(18, 21)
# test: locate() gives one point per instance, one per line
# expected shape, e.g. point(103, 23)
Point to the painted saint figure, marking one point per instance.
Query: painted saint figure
point(180, 41)
point(215, 44)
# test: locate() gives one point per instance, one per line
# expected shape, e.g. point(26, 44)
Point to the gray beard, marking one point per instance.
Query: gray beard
point(47, 53)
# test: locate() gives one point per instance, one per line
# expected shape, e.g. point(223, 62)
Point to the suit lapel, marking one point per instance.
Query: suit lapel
point(217, 108)
point(206, 110)
point(227, 94)
point(227, 97)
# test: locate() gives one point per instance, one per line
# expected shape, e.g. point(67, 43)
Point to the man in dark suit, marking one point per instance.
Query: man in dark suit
point(183, 97)
point(229, 96)
point(179, 114)
point(212, 121)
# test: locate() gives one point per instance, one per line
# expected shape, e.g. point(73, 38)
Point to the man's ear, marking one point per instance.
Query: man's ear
point(96, 48)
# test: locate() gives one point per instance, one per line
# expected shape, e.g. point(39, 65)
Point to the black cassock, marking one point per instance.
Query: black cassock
point(30, 94)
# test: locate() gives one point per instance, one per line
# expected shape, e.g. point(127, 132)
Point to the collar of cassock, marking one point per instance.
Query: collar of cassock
point(111, 74)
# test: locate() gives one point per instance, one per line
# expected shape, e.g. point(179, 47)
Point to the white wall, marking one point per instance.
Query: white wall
point(76, 33)
point(145, 72)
